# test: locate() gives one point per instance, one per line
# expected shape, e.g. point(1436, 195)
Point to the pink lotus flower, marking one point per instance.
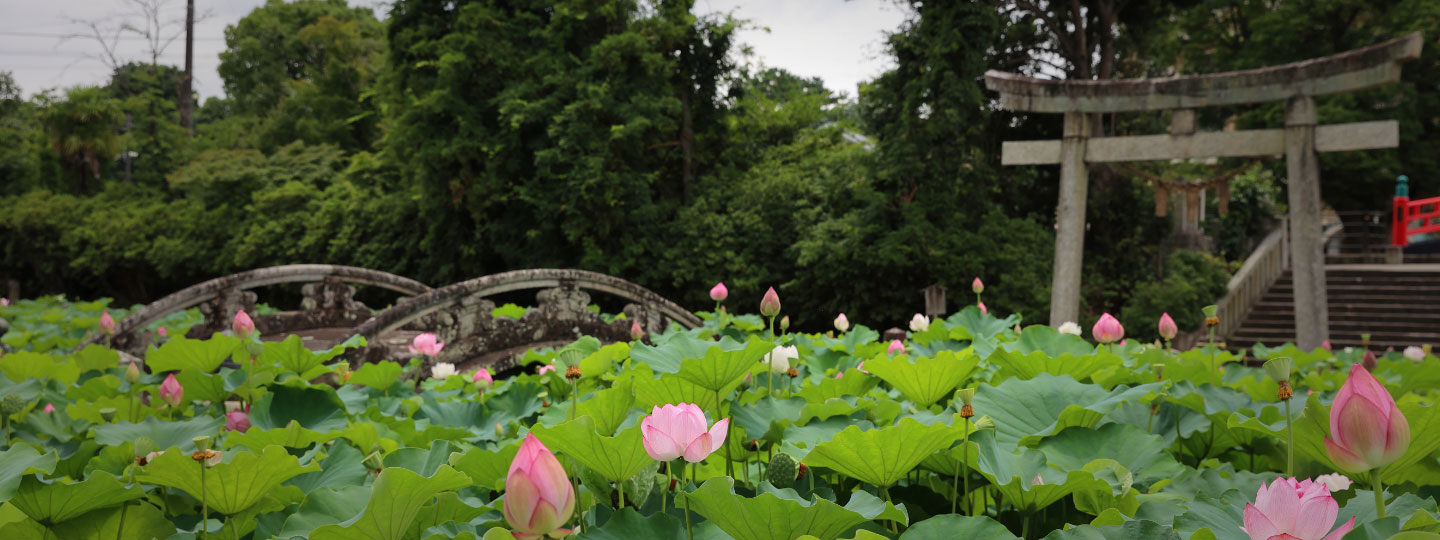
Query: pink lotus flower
point(983, 311)
point(1167, 326)
point(841, 323)
point(237, 421)
point(770, 303)
point(977, 286)
point(636, 332)
point(242, 326)
point(49, 408)
point(896, 347)
point(1367, 430)
point(107, 323)
point(1326, 345)
point(719, 293)
point(547, 368)
point(4, 301)
point(538, 495)
point(861, 366)
point(162, 332)
point(675, 431)
point(171, 391)
point(482, 376)
point(426, 344)
point(839, 374)
point(1107, 329)
point(1291, 510)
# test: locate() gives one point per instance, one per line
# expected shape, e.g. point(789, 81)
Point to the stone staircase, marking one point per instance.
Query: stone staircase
point(1398, 305)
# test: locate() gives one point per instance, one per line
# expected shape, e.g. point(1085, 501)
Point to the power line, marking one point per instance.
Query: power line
point(10, 33)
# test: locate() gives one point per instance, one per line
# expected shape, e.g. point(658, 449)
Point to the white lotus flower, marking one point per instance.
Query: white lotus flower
point(1334, 481)
point(919, 323)
point(1070, 328)
point(1414, 353)
point(779, 358)
point(443, 370)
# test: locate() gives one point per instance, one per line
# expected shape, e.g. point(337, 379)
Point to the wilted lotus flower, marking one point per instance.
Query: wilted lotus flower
point(1069, 327)
point(426, 344)
point(636, 332)
point(1291, 510)
point(538, 495)
point(1414, 353)
point(442, 370)
point(1037, 481)
point(1107, 329)
point(1367, 430)
point(779, 358)
point(1167, 326)
point(171, 391)
point(107, 323)
point(675, 431)
point(841, 323)
point(242, 326)
point(482, 376)
point(237, 421)
point(719, 293)
point(1334, 481)
point(919, 323)
point(896, 347)
point(770, 303)
point(976, 286)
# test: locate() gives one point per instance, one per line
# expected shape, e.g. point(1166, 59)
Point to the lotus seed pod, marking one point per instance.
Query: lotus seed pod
point(12, 404)
point(108, 414)
point(144, 446)
point(1279, 368)
point(202, 442)
point(966, 395)
point(985, 422)
point(783, 471)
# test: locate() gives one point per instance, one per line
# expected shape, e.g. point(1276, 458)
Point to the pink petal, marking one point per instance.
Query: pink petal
point(1257, 525)
point(1281, 505)
point(1317, 515)
point(659, 445)
point(699, 449)
point(1397, 439)
point(1362, 429)
point(1344, 459)
point(521, 499)
point(717, 432)
point(1284, 537)
point(1340, 532)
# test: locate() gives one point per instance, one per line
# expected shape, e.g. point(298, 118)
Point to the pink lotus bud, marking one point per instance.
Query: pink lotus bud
point(237, 421)
point(719, 293)
point(983, 311)
point(839, 374)
point(770, 303)
point(547, 368)
point(896, 347)
point(162, 332)
point(4, 301)
point(675, 431)
point(1107, 329)
point(482, 376)
point(1367, 430)
point(426, 344)
point(1167, 326)
point(841, 323)
point(107, 323)
point(1326, 345)
point(171, 391)
point(538, 495)
point(636, 332)
point(1289, 509)
point(976, 286)
point(49, 408)
point(1369, 360)
point(242, 326)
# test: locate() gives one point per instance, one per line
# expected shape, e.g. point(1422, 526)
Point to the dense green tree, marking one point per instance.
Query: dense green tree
point(82, 129)
point(152, 142)
point(22, 156)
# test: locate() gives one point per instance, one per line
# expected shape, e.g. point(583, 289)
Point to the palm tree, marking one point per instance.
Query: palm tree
point(83, 130)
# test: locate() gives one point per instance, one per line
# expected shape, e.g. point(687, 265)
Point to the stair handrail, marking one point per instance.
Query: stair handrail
point(1264, 266)
point(1411, 218)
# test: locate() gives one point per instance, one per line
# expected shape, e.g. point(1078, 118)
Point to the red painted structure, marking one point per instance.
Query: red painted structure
point(1412, 217)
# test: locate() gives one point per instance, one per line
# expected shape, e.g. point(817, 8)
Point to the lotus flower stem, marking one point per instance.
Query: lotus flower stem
point(620, 487)
point(965, 464)
point(890, 524)
point(689, 532)
point(1289, 448)
point(669, 479)
point(1379, 493)
point(1213, 378)
point(1025, 527)
point(729, 463)
point(204, 505)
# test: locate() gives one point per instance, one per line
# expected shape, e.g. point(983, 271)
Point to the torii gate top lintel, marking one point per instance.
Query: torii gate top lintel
point(1349, 71)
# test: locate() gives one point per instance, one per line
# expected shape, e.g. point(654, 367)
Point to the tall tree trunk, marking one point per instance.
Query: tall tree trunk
point(187, 102)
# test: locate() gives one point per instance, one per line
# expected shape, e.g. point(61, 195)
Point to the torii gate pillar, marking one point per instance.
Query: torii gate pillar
point(1312, 314)
point(1070, 221)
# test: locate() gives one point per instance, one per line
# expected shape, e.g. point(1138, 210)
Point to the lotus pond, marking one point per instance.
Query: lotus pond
point(971, 427)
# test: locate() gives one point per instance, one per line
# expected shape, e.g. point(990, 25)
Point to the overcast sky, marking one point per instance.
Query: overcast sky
point(840, 41)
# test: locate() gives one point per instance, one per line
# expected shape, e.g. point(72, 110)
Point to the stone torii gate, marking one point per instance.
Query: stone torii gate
point(1297, 84)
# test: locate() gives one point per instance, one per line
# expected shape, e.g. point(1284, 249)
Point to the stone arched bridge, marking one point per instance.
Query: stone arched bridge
point(460, 313)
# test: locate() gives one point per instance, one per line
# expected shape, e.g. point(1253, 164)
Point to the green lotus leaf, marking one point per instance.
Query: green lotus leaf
point(882, 456)
point(1041, 338)
point(379, 375)
point(139, 521)
point(395, 502)
point(447, 508)
point(669, 356)
point(799, 441)
point(181, 354)
point(854, 383)
point(605, 359)
point(21, 460)
point(485, 467)
point(165, 434)
point(421, 460)
point(1145, 455)
point(325, 507)
point(1030, 365)
point(951, 526)
point(627, 524)
point(293, 357)
point(315, 407)
point(291, 436)
point(25, 365)
point(1130, 530)
point(1412, 511)
point(1027, 410)
point(616, 458)
point(202, 385)
point(722, 369)
point(53, 502)
point(1015, 474)
point(766, 418)
point(672, 389)
point(96, 358)
point(342, 467)
point(609, 407)
point(230, 487)
point(1219, 517)
point(924, 380)
point(783, 515)
point(857, 336)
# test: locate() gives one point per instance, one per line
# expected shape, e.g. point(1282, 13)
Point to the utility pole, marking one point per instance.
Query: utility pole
point(187, 92)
